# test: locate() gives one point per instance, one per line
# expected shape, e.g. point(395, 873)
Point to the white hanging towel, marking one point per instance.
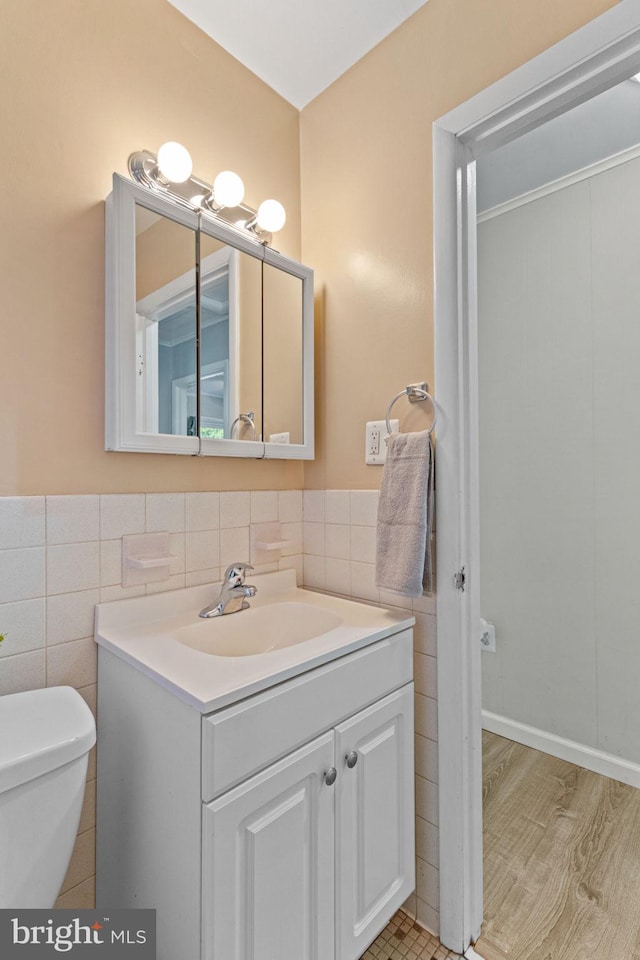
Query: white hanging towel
point(405, 515)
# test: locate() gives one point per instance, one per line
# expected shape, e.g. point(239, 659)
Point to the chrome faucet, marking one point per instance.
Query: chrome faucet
point(233, 592)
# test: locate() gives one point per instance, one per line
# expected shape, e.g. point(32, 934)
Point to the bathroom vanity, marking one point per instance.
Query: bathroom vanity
point(262, 799)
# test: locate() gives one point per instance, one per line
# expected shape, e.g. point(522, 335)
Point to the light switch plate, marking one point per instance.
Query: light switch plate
point(375, 449)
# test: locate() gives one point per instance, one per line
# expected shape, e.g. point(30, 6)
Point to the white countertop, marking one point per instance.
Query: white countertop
point(141, 631)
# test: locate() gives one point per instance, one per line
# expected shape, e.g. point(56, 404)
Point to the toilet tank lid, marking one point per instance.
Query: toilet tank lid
point(42, 730)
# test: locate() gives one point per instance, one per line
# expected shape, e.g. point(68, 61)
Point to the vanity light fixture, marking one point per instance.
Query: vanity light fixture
point(171, 173)
point(228, 189)
point(174, 162)
point(271, 216)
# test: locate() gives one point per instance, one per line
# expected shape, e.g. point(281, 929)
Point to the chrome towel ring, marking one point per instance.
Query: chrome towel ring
point(416, 392)
point(244, 418)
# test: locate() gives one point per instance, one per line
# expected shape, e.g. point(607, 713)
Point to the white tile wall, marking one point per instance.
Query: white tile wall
point(337, 506)
point(73, 519)
point(313, 506)
point(337, 541)
point(22, 522)
point(70, 616)
point(24, 623)
point(202, 511)
point(165, 511)
point(290, 506)
point(234, 544)
point(339, 531)
point(21, 573)
point(203, 550)
point(121, 515)
point(73, 566)
point(61, 555)
point(264, 506)
point(235, 509)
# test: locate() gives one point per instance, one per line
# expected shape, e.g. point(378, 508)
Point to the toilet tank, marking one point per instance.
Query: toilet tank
point(44, 747)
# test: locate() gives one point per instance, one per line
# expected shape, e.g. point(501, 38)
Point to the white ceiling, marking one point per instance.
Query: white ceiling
point(298, 47)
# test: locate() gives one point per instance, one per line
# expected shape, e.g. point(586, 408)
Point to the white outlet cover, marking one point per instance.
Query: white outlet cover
point(378, 427)
point(487, 636)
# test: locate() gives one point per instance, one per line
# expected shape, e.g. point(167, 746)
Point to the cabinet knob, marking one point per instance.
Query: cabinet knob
point(330, 776)
point(351, 759)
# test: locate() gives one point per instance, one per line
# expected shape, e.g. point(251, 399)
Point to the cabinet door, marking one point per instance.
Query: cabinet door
point(375, 826)
point(268, 863)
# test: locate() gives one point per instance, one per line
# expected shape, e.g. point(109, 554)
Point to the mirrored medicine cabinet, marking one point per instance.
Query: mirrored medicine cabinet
point(209, 335)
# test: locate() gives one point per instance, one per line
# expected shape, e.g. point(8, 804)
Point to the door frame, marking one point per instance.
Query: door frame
point(597, 56)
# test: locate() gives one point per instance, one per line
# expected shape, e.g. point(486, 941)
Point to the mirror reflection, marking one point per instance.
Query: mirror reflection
point(282, 356)
point(208, 337)
point(231, 362)
point(165, 325)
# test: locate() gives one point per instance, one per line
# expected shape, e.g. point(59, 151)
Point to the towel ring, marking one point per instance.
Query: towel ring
point(244, 418)
point(416, 392)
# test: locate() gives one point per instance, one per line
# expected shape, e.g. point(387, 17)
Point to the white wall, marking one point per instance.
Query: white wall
point(559, 298)
point(597, 129)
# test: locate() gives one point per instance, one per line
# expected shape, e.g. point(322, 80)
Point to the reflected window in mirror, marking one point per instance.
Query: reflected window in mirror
point(218, 342)
point(231, 346)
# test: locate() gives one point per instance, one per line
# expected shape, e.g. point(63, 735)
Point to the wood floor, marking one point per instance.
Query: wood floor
point(561, 859)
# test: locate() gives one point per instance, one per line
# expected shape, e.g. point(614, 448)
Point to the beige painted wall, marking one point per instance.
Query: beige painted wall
point(367, 206)
point(84, 83)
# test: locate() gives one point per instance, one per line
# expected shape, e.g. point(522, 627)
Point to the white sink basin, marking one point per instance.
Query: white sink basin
point(258, 630)
point(212, 663)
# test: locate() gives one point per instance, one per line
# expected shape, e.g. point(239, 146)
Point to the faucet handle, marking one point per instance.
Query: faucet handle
point(234, 573)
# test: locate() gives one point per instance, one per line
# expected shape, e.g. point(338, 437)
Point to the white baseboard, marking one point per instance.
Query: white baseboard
point(472, 955)
point(604, 763)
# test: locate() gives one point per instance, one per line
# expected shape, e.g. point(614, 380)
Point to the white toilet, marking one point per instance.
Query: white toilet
point(45, 739)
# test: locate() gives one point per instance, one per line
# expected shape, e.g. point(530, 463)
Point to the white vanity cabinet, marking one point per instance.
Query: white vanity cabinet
point(317, 849)
point(280, 827)
point(375, 820)
point(268, 862)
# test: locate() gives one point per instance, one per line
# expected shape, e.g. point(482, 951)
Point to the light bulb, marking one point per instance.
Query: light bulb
point(228, 189)
point(271, 216)
point(174, 162)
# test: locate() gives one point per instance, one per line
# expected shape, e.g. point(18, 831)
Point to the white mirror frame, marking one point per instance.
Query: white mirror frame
point(121, 386)
point(299, 451)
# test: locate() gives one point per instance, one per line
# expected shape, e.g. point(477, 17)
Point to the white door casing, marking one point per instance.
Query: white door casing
point(604, 52)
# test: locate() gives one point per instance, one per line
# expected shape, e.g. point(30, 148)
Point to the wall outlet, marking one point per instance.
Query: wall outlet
point(487, 636)
point(375, 447)
point(280, 437)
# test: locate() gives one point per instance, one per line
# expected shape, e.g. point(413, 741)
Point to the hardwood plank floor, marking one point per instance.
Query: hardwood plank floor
point(561, 859)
